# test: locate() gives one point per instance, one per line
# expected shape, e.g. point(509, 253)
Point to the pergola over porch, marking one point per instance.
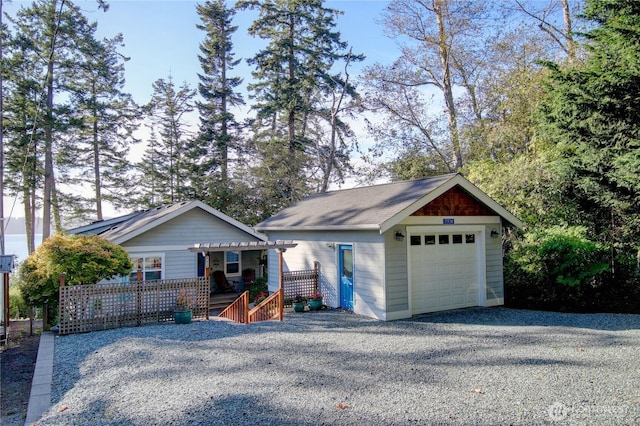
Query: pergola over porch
point(279, 245)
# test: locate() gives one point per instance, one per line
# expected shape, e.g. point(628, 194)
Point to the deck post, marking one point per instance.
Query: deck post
point(280, 267)
point(281, 280)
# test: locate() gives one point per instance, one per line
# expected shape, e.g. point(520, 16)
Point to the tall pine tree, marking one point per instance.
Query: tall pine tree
point(106, 119)
point(291, 73)
point(48, 36)
point(219, 131)
point(167, 110)
point(592, 115)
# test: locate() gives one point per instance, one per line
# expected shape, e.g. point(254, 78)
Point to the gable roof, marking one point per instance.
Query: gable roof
point(121, 229)
point(377, 207)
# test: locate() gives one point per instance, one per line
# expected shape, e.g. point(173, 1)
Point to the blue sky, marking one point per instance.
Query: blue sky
point(161, 37)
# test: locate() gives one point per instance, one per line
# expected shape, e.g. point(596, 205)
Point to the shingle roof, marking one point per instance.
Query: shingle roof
point(366, 207)
point(126, 227)
point(372, 207)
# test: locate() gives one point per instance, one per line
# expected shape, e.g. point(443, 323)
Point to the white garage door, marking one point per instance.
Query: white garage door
point(444, 271)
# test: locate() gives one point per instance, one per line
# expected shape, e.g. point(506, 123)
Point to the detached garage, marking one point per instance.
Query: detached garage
point(399, 249)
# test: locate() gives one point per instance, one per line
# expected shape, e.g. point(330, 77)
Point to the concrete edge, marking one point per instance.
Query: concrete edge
point(40, 396)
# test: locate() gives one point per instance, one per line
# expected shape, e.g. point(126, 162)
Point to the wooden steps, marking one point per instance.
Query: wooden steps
point(218, 302)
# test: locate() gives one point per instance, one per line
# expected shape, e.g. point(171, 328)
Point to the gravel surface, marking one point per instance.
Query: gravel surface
point(474, 366)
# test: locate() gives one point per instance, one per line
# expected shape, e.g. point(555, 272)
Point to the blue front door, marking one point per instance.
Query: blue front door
point(345, 271)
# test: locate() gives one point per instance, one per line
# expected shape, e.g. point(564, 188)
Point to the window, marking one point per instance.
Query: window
point(429, 240)
point(457, 239)
point(470, 238)
point(232, 262)
point(415, 240)
point(443, 239)
point(148, 268)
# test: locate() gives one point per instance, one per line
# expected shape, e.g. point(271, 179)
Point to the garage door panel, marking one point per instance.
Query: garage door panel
point(444, 275)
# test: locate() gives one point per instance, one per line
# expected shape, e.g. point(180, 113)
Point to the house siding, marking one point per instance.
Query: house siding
point(368, 251)
point(396, 267)
point(194, 226)
point(494, 269)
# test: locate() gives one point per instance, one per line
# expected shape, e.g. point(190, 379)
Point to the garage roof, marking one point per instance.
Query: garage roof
point(377, 207)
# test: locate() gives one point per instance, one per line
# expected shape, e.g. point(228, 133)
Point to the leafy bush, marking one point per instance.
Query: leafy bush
point(84, 259)
point(259, 286)
point(17, 305)
point(556, 268)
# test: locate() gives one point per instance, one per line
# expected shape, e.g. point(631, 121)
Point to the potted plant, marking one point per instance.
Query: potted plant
point(260, 297)
point(298, 303)
point(184, 304)
point(315, 301)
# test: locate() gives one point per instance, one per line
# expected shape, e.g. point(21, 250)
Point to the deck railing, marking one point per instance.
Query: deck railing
point(238, 311)
point(270, 308)
point(295, 283)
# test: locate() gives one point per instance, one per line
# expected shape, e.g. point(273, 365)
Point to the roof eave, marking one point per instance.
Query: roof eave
point(444, 187)
point(187, 207)
point(365, 227)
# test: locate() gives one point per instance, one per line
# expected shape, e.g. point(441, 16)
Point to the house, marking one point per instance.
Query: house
point(158, 241)
point(399, 249)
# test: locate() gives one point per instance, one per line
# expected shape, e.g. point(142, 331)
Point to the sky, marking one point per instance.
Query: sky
point(161, 37)
point(161, 40)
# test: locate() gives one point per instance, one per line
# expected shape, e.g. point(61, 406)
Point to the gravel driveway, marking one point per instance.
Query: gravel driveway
point(473, 366)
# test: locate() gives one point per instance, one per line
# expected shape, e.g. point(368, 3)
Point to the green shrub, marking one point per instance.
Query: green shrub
point(556, 268)
point(17, 305)
point(84, 259)
point(259, 286)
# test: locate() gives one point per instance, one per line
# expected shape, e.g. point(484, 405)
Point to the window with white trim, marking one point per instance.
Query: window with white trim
point(149, 267)
point(232, 263)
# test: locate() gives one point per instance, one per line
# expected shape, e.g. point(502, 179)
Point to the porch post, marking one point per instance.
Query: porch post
point(281, 282)
point(280, 268)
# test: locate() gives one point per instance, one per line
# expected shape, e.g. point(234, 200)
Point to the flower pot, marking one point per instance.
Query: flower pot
point(298, 307)
point(315, 305)
point(182, 317)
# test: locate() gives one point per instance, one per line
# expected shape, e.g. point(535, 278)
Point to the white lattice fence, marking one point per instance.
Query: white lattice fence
point(303, 283)
point(102, 306)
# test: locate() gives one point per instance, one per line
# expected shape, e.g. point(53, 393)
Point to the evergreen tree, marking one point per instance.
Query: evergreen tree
point(149, 187)
point(167, 110)
point(23, 125)
point(48, 35)
point(592, 115)
point(219, 131)
point(292, 72)
point(106, 119)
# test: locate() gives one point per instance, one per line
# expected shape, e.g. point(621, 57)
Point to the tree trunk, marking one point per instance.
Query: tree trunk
point(48, 155)
point(224, 148)
point(2, 218)
point(96, 167)
point(568, 30)
point(447, 88)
